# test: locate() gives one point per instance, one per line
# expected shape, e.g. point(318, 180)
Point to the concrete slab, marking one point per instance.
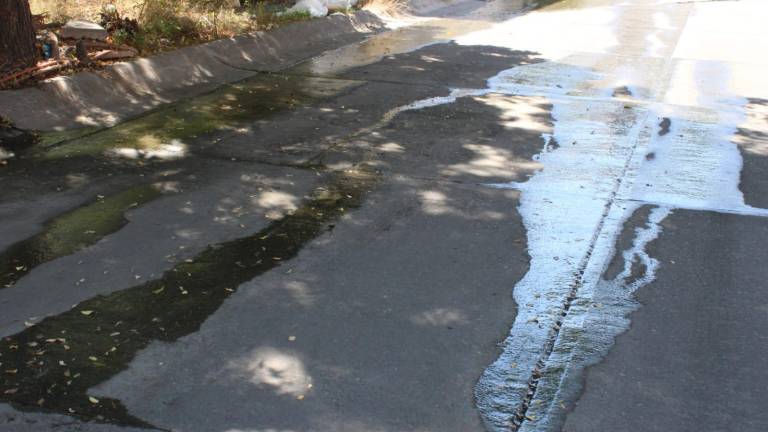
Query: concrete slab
point(224, 201)
point(694, 357)
point(382, 324)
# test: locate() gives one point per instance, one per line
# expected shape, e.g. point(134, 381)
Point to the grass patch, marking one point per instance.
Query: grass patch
point(170, 24)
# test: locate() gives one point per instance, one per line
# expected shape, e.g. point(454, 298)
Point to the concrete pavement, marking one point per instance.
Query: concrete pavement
point(441, 228)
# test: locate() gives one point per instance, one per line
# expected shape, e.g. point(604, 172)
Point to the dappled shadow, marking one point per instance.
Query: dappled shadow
point(395, 310)
point(463, 224)
point(442, 64)
point(481, 139)
point(163, 309)
point(127, 89)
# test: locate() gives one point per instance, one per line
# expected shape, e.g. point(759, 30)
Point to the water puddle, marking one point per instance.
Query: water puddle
point(13, 141)
point(165, 134)
point(399, 41)
point(71, 232)
point(51, 365)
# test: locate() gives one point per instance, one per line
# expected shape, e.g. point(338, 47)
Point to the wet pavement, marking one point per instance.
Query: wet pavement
point(442, 228)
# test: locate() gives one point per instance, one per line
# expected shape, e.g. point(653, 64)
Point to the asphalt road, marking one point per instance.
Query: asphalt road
point(487, 220)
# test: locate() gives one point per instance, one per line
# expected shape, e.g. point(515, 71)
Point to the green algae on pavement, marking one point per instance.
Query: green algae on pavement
point(51, 365)
point(71, 232)
point(225, 109)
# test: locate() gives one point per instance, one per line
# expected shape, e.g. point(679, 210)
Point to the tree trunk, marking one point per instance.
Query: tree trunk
point(17, 36)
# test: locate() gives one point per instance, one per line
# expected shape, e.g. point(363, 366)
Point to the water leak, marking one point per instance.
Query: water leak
point(50, 366)
point(73, 231)
point(399, 41)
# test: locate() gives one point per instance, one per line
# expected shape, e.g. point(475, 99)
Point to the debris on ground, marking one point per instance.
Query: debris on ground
point(83, 29)
point(315, 8)
point(73, 46)
point(321, 8)
point(93, 39)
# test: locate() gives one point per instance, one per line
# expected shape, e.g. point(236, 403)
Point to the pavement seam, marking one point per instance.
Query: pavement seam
point(520, 416)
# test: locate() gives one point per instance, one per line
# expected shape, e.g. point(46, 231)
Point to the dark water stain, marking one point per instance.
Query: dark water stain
point(15, 140)
point(626, 238)
point(650, 156)
point(51, 365)
point(224, 109)
point(664, 126)
point(71, 232)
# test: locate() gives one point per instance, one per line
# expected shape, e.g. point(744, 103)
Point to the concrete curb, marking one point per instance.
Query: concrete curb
point(124, 90)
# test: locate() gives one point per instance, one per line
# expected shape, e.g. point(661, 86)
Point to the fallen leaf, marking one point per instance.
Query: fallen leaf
point(86, 312)
point(11, 391)
point(92, 358)
point(93, 400)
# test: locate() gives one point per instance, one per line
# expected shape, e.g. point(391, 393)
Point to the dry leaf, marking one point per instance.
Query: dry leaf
point(86, 312)
point(93, 400)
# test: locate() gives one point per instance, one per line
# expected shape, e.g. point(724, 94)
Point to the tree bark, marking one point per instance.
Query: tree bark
point(17, 35)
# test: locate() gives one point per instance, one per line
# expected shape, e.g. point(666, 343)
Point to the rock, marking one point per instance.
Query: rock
point(316, 8)
point(336, 5)
point(13, 141)
point(82, 29)
point(5, 154)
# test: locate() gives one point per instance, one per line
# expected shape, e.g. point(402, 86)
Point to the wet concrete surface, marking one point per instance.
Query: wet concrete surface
point(361, 332)
point(321, 255)
point(71, 232)
point(694, 358)
point(381, 317)
point(225, 202)
point(100, 336)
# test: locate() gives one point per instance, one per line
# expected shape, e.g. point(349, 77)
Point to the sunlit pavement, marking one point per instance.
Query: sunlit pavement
point(541, 221)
